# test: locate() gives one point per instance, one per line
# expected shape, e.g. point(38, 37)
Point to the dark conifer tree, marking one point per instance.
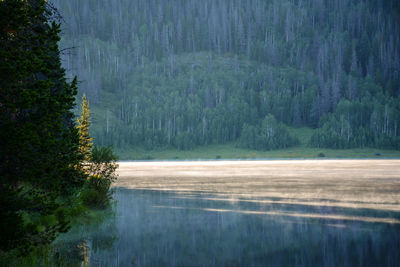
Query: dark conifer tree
point(39, 155)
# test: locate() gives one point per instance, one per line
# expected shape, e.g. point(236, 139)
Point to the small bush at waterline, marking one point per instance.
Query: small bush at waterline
point(102, 174)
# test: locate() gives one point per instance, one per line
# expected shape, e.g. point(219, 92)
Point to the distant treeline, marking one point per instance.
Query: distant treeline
point(187, 73)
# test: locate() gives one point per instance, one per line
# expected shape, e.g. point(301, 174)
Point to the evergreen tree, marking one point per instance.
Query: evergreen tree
point(85, 141)
point(100, 163)
point(197, 77)
point(39, 144)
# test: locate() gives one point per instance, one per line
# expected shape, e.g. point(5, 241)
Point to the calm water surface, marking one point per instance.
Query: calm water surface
point(151, 228)
point(198, 228)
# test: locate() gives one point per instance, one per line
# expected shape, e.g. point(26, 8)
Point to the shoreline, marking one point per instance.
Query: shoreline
point(258, 159)
point(353, 183)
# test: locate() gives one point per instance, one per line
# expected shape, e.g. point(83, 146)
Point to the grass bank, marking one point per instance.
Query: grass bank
point(231, 151)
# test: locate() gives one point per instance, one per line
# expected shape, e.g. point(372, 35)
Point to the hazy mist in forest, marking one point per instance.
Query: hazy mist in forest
point(182, 74)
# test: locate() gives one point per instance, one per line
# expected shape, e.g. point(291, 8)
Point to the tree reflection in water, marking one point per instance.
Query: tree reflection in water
point(155, 228)
point(76, 247)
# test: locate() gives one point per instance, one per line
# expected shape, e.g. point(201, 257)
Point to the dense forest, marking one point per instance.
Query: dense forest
point(187, 73)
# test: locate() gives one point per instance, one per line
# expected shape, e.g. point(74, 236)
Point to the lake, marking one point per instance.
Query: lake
point(249, 213)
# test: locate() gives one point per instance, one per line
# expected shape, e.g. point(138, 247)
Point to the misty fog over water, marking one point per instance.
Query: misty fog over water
point(154, 228)
point(157, 226)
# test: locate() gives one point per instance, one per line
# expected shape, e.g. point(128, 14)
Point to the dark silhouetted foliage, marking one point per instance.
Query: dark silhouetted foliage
point(39, 155)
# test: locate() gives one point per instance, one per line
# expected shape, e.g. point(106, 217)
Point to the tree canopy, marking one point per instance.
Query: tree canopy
point(187, 73)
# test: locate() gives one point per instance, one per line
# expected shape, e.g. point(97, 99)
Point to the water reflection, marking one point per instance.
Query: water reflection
point(74, 252)
point(156, 228)
point(77, 247)
point(299, 215)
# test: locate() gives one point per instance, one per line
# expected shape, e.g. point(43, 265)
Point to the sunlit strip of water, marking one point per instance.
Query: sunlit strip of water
point(296, 215)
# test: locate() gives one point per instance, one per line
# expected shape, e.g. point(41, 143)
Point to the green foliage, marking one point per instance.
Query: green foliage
point(41, 150)
point(85, 141)
point(160, 111)
point(99, 164)
point(368, 122)
point(271, 135)
point(38, 141)
point(101, 169)
point(167, 81)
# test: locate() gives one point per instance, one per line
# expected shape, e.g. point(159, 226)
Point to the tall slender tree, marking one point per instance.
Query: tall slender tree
point(85, 141)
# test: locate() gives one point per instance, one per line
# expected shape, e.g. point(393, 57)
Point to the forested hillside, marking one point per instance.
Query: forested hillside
point(184, 73)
